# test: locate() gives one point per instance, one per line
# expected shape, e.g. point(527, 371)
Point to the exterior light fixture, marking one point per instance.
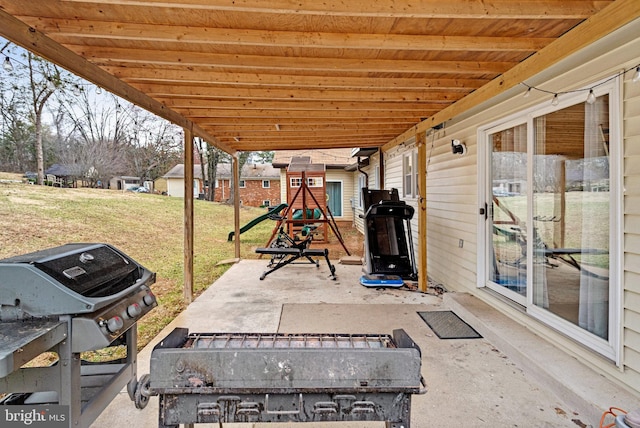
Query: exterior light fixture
point(458, 147)
point(50, 85)
point(7, 64)
point(591, 98)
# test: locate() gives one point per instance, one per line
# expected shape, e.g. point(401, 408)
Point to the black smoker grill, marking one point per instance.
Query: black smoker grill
point(257, 377)
point(71, 299)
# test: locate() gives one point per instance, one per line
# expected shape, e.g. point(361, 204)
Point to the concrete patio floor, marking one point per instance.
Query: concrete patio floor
point(489, 382)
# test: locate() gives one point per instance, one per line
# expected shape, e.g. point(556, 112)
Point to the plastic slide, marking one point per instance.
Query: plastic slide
point(258, 219)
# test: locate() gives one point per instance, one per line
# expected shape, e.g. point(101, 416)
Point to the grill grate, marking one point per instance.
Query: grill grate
point(286, 341)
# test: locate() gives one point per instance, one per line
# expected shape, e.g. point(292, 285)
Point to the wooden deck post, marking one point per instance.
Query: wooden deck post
point(421, 141)
point(236, 203)
point(188, 216)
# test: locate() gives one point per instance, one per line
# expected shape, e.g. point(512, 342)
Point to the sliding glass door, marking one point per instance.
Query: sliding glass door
point(508, 206)
point(551, 212)
point(571, 214)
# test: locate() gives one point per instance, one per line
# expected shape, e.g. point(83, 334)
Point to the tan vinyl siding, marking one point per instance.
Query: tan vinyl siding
point(393, 170)
point(631, 168)
point(374, 161)
point(452, 201)
point(346, 178)
point(357, 210)
point(452, 209)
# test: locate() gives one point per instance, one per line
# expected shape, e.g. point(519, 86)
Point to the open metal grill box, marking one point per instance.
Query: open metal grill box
point(257, 377)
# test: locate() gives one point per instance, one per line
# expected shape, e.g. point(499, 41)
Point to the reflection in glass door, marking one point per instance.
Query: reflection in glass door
point(508, 180)
point(571, 214)
point(549, 217)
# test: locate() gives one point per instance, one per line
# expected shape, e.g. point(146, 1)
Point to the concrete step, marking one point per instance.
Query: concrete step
point(576, 384)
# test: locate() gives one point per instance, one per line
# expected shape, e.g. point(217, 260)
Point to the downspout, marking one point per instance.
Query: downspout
point(366, 176)
point(366, 181)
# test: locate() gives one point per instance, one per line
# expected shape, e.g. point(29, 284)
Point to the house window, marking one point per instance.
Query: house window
point(242, 184)
point(266, 184)
point(314, 181)
point(266, 203)
point(410, 174)
point(295, 182)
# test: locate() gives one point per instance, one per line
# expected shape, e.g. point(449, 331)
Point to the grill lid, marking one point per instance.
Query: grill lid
point(69, 279)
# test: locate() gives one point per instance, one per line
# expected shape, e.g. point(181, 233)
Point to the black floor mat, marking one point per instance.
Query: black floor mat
point(448, 325)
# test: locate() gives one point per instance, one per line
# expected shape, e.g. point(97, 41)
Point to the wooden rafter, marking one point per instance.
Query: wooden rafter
point(506, 9)
point(329, 74)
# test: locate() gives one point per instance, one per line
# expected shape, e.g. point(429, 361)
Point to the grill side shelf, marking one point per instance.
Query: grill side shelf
point(22, 341)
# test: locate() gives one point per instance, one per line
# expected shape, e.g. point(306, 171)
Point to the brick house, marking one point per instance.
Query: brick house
point(259, 183)
point(339, 177)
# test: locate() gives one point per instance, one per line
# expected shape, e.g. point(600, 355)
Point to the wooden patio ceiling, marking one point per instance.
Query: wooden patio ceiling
point(291, 74)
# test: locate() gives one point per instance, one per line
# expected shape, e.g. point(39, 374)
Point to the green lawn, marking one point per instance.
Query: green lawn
point(149, 228)
point(586, 224)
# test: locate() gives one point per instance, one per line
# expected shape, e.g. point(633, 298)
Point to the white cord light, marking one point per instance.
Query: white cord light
point(591, 98)
point(7, 64)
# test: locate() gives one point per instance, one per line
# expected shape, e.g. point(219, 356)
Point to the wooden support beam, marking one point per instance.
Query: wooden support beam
point(420, 9)
point(188, 216)
point(608, 20)
point(421, 142)
point(236, 203)
point(36, 42)
point(206, 75)
point(272, 96)
point(206, 107)
point(135, 57)
point(189, 35)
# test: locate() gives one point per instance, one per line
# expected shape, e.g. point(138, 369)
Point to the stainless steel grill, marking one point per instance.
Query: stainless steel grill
point(68, 300)
point(254, 377)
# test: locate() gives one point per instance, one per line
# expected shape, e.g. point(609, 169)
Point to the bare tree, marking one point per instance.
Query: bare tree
point(209, 157)
point(96, 146)
point(43, 79)
point(16, 143)
point(154, 144)
point(26, 89)
point(243, 157)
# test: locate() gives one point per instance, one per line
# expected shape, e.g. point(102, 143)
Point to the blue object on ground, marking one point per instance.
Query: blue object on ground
point(376, 281)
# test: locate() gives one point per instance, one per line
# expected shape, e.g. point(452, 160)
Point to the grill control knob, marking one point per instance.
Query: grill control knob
point(114, 324)
point(148, 299)
point(133, 310)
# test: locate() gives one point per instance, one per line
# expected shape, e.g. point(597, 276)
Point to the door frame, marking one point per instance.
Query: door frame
point(612, 347)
